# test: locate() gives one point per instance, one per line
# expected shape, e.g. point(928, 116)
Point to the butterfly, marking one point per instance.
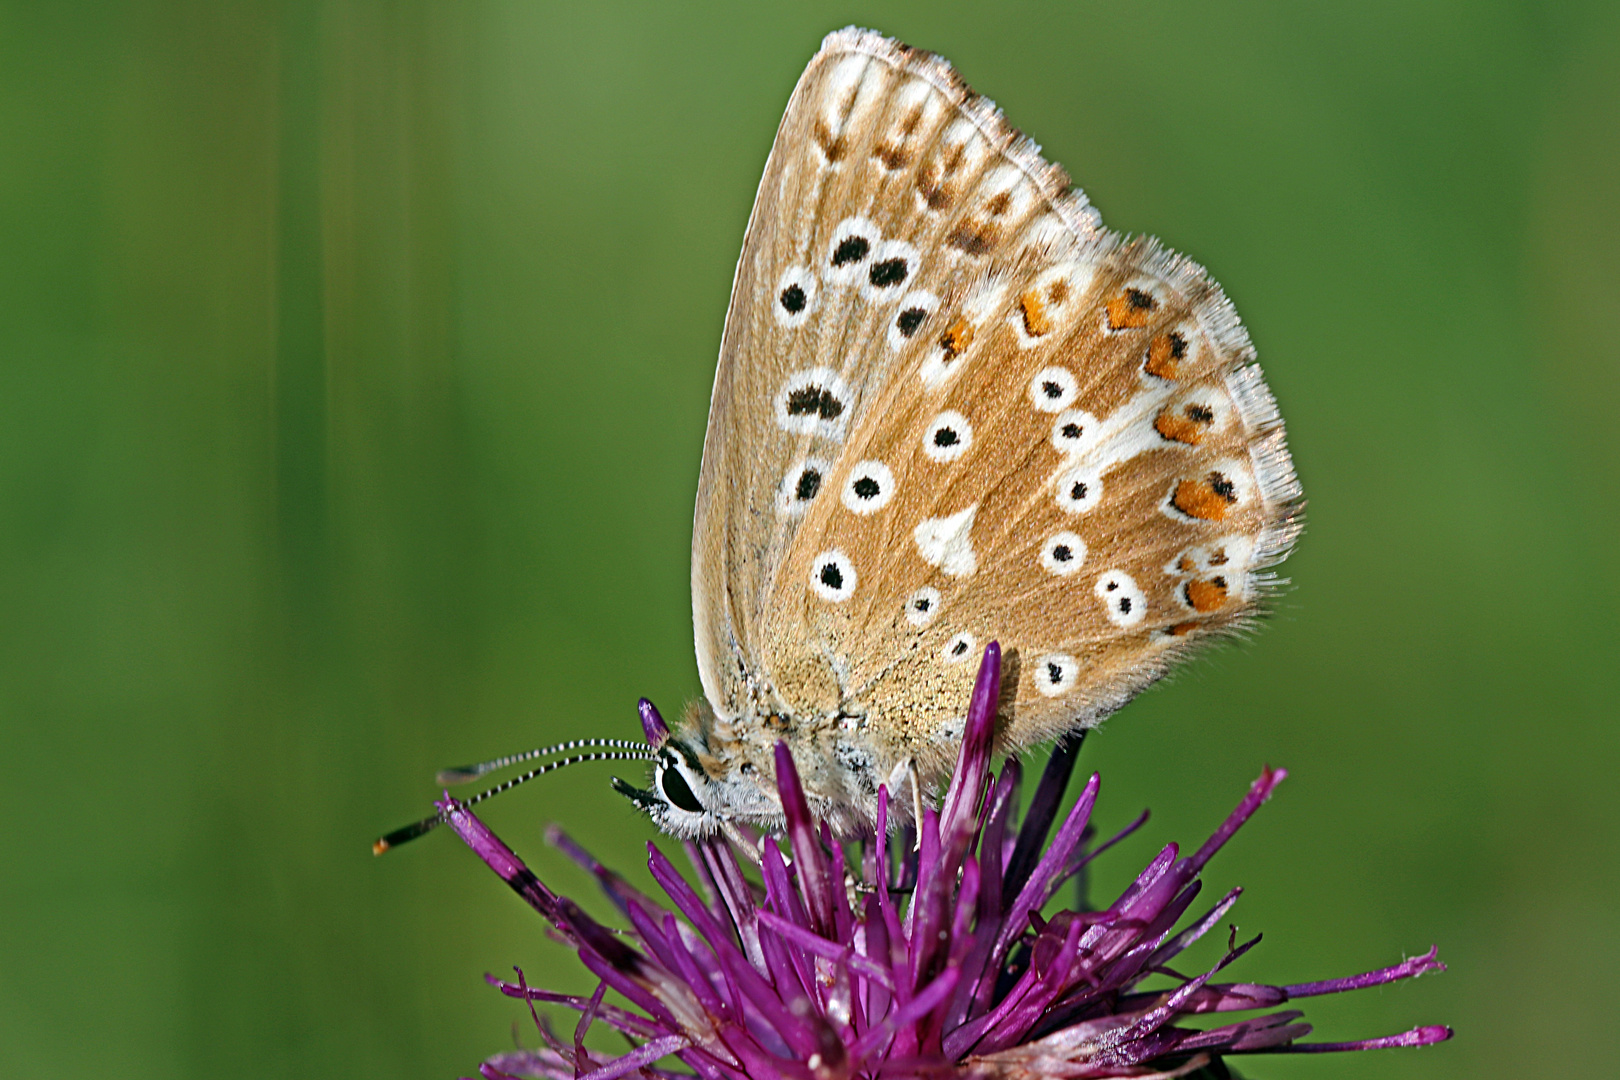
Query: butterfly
point(952, 408)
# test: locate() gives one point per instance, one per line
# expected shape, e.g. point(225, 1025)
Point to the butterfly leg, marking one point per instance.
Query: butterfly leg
point(906, 771)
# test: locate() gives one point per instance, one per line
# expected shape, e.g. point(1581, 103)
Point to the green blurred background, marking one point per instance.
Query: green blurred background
point(354, 359)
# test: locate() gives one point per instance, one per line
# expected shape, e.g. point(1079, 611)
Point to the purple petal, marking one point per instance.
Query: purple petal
point(1043, 808)
point(620, 891)
point(1172, 948)
point(685, 900)
point(736, 895)
point(652, 723)
point(809, 861)
point(973, 759)
point(1418, 1036)
point(831, 950)
point(646, 1054)
point(906, 1016)
point(499, 858)
point(623, 1019)
point(1406, 969)
point(1259, 792)
point(1034, 893)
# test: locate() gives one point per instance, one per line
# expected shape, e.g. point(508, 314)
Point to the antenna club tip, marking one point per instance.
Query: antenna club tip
point(380, 845)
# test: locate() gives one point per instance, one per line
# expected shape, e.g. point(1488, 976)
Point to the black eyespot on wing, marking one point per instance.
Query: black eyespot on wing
point(1077, 490)
point(809, 483)
point(852, 249)
point(959, 648)
point(1054, 672)
point(888, 273)
point(1139, 300)
point(814, 399)
point(946, 437)
point(793, 299)
point(678, 792)
point(909, 320)
point(831, 576)
point(1062, 553)
point(922, 603)
point(867, 488)
point(1051, 389)
point(1124, 605)
point(1071, 430)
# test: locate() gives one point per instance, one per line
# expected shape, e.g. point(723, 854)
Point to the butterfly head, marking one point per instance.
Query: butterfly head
point(700, 782)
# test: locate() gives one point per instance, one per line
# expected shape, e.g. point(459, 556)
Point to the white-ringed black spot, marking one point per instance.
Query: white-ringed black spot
point(1063, 553)
point(1073, 431)
point(1123, 601)
point(1078, 490)
point(869, 488)
point(891, 265)
point(813, 402)
point(914, 309)
point(1056, 674)
point(851, 249)
point(922, 606)
point(1053, 389)
point(800, 484)
point(948, 436)
point(957, 649)
point(888, 273)
point(795, 296)
point(832, 576)
point(853, 243)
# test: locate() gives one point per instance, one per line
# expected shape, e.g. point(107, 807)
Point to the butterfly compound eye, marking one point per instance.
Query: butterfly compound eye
point(677, 790)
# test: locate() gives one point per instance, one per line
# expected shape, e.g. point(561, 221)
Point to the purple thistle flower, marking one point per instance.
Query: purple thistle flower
point(815, 972)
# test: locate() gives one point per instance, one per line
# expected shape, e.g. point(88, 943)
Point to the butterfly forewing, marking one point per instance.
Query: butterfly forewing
point(952, 409)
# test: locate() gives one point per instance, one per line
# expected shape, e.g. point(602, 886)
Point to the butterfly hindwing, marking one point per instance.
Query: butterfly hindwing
point(952, 409)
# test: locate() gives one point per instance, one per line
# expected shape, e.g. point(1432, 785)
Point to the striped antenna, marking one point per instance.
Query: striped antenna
point(463, 774)
point(428, 824)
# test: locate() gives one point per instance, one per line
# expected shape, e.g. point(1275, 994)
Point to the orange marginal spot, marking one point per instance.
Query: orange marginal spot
point(1178, 427)
point(1206, 594)
point(1186, 565)
point(1207, 499)
point(1164, 356)
point(1036, 321)
point(1129, 309)
point(956, 340)
point(1181, 629)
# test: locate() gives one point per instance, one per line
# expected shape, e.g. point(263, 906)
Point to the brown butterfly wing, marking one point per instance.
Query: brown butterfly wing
point(1043, 435)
